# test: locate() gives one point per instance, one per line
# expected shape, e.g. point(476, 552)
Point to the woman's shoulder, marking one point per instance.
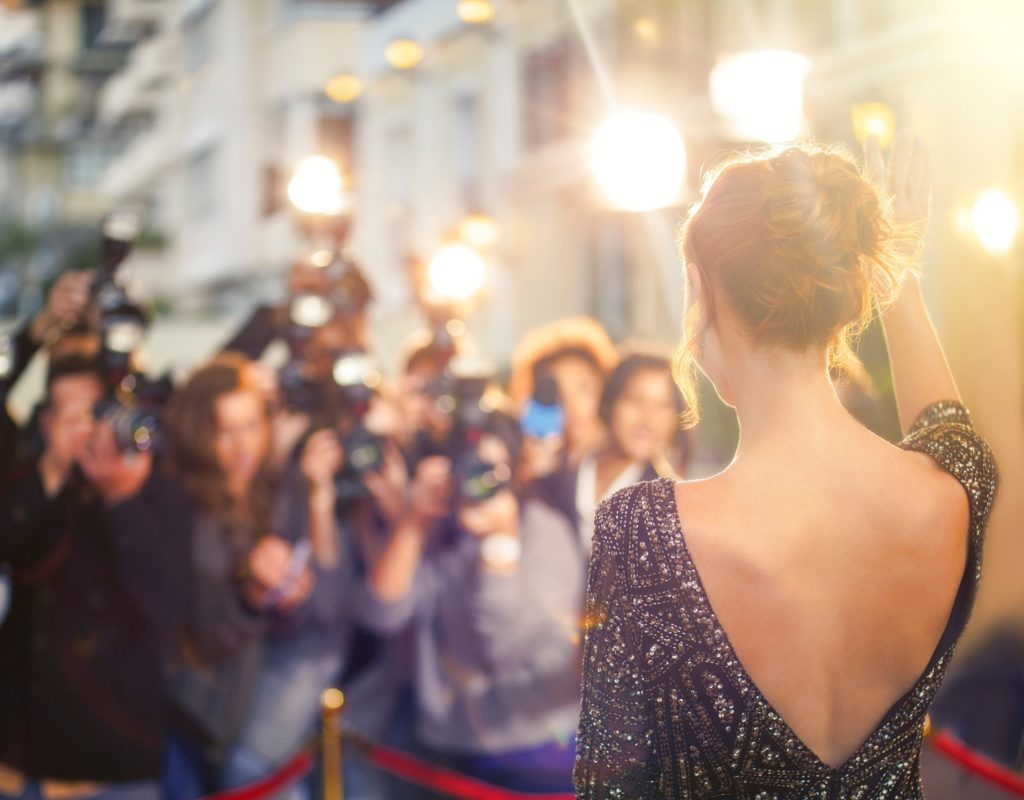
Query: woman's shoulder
point(627, 504)
point(945, 432)
point(635, 523)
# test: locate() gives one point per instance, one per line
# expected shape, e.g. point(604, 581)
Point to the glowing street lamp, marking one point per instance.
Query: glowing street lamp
point(344, 88)
point(404, 54)
point(316, 187)
point(476, 12)
point(639, 160)
point(456, 273)
point(995, 220)
point(874, 119)
point(761, 94)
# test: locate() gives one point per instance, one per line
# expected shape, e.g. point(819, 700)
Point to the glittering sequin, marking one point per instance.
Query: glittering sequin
point(668, 710)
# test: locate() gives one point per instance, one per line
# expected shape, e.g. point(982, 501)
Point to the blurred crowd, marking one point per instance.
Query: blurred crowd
point(190, 564)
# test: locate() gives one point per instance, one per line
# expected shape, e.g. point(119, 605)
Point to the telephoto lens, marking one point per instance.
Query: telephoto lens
point(136, 429)
point(478, 480)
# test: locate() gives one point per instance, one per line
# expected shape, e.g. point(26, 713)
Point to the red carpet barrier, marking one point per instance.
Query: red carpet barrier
point(977, 764)
point(443, 781)
point(459, 787)
point(293, 770)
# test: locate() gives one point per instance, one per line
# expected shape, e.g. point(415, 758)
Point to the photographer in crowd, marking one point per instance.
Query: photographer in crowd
point(79, 700)
point(66, 304)
point(199, 540)
point(494, 594)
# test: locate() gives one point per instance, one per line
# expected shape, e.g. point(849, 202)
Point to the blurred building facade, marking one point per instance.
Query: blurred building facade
point(53, 62)
point(217, 99)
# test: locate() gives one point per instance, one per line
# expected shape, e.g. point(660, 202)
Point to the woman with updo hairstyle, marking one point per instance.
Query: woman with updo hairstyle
point(780, 628)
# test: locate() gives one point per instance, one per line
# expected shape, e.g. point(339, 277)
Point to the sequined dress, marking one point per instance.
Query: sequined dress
point(668, 710)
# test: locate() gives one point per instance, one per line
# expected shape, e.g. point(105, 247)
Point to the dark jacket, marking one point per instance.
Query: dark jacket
point(558, 490)
point(79, 698)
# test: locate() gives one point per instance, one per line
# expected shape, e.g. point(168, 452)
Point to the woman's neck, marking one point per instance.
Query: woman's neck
point(611, 463)
point(785, 403)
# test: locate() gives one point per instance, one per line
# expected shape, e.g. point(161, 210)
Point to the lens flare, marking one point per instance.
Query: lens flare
point(639, 161)
point(874, 119)
point(316, 187)
point(995, 220)
point(761, 94)
point(456, 272)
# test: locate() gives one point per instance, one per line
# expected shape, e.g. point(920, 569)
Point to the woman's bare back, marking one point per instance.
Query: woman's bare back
point(833, 576)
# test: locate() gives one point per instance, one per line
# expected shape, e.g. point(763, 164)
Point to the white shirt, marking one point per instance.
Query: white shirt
point(586, 493)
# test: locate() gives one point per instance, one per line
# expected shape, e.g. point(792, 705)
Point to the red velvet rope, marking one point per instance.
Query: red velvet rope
point(298, 767)
point(459, 787)
point(451, 784)
point(977, 764)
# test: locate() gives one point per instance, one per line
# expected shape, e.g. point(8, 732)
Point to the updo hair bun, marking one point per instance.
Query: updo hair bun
point(800, 244)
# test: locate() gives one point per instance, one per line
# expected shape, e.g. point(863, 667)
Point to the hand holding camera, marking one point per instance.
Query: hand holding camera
point(278, 575)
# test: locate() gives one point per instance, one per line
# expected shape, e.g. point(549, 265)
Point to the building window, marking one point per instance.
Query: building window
point(86, 162)
point(201, 183)
point(334, 139)
point(93, 18)
point(198, 38)
point(467, 155)
point(547, 97)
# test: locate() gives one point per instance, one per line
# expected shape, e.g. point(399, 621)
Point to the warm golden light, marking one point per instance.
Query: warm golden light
point(646, 29)
point(995, 220)
point(404, 54)
point(761, 94)
point(479, 231)
point(874, 119)
point(332, 699)
point(476, 12)
point(316, 187)
point(639, 161)
point(344, 88)
point(456, 273)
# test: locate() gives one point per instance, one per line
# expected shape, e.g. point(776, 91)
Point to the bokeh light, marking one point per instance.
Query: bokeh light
point(874, 119)
point(639, 160)
point(404, 54)
point(344, 88)
point(476, 12)
point(316, 187)
point(761, 94)
point(479, 231)
point(456, 272)
point(995, 220)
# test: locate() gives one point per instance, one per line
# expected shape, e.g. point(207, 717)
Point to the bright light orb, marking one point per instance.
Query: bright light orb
point(456, 272)
point(995, 220)
point(639, 160)
point(761, 94)
point(479, 231)
point(874, 119)
point(344, 88)
point(316, 187)
point(403, 54)
point(476, 12)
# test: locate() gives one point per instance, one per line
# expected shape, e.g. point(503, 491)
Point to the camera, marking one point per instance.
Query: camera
point(325, 287)
point(132, 403)
point(355, 380)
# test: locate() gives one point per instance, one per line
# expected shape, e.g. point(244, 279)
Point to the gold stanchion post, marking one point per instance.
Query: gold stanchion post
point(331, 703)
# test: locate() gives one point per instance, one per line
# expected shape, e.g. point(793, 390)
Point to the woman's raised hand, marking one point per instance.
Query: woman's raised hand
point(906, 179)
